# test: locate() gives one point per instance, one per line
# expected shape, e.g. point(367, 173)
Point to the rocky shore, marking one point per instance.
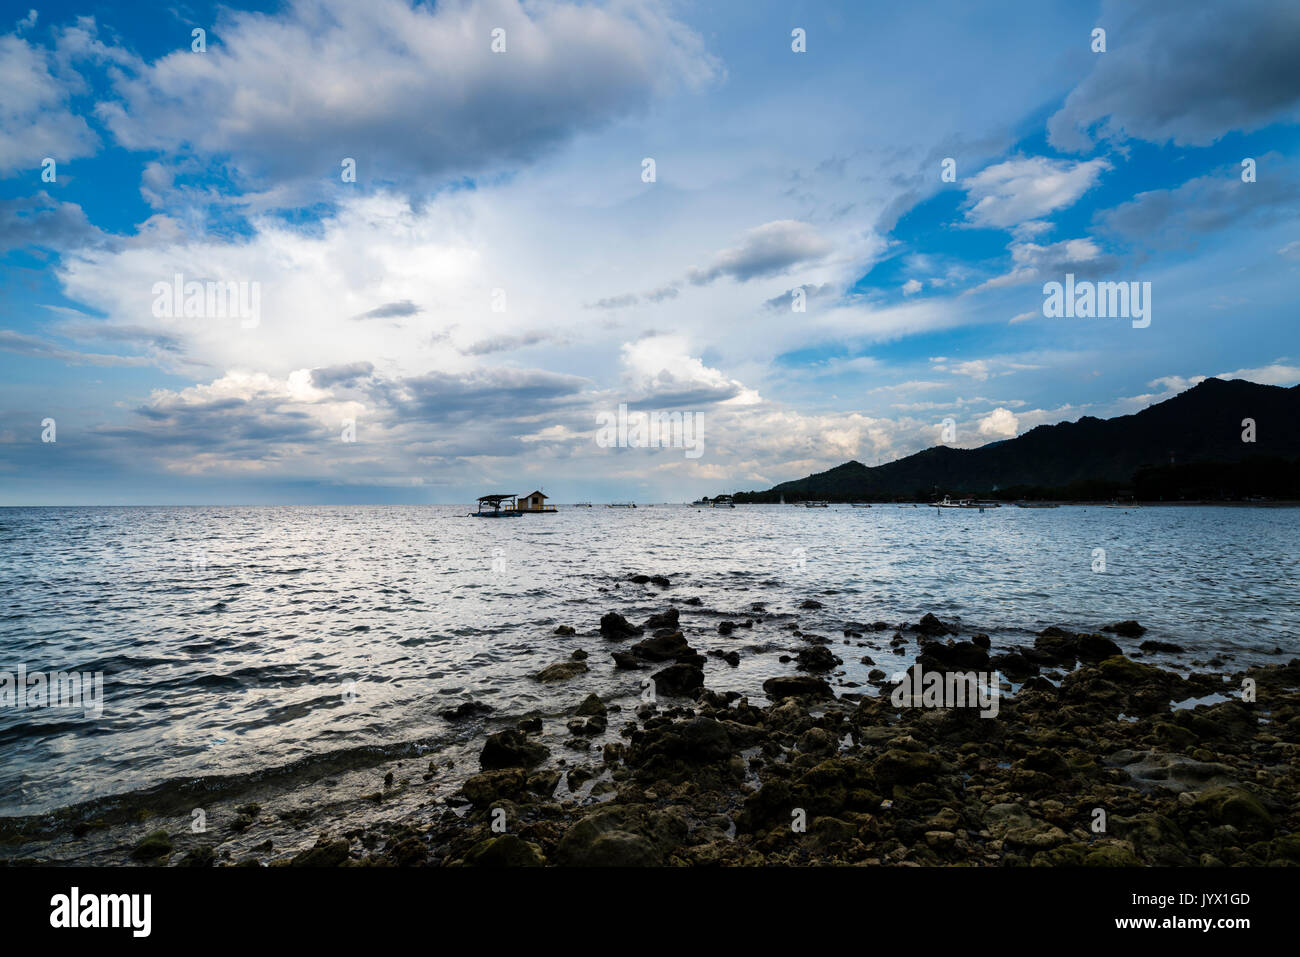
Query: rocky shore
point(1092, 759)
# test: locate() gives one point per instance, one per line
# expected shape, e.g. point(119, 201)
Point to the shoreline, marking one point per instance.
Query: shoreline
point(703, 776)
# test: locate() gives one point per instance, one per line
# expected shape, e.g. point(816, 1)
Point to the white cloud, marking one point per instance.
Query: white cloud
point(1021, 191)
point(36, 119)
point(1031, 261)
point(1001, 423)
point(912, 287)
point(1276, 374)
point(976, 369)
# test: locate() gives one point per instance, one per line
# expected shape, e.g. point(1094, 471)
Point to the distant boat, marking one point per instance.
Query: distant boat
point(701, 503)
point(497, 506)
point(1037, 505)
point(962, 503)
point(816, 504)
point(621, 505)
point(582, 505)
point(860, 505)
point(724, 501)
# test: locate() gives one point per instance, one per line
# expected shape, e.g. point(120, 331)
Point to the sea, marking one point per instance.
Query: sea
point(252, 644)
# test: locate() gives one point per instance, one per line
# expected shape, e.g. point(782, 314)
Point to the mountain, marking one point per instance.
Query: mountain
point(1187, 446)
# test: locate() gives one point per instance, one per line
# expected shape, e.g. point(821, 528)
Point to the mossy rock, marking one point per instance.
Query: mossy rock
point(508, 850)
point(152, 846)
point(482, 789)
point(1125, 671)
point(1067, 855)
point(1111, 855)
point(326, 853)
point(562, 671)
point(1234, 806)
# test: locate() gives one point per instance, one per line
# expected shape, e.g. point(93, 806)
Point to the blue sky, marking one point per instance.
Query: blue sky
point(501, 272)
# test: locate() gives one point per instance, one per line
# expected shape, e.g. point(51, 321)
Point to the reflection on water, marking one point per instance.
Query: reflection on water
point(238, 639)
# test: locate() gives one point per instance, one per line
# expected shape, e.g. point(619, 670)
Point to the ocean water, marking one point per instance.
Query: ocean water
point(238, 641)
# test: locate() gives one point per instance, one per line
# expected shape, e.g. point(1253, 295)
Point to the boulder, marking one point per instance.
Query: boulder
point(817, 658)
point(1097, 648)
point(796, 686)
point(325, 853)
point(667, 619)
point(622, 836)
point(958, 656)
point(679, 679)
point(664, 647)
point(561, 671)
point(152, 846)
point(930, 625)
point(510, 749)
point(466, 711)
point(492, 786)
point(615, 627)
point(507, 850)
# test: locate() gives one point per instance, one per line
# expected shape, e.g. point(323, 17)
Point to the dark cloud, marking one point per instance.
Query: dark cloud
point(662, 293)
point(287, 96)
point(615, 302)
point(41, 220)
point(507, 343)
point(341, 374)
point(508, 393)
point(766, 250)
point(391, 310)
point(1185, 72)
point(1208, 204)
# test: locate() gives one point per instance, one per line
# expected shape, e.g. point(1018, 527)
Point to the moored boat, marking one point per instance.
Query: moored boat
point(497, 506)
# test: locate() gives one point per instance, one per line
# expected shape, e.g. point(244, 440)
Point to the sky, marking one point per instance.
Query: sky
point(457, 237)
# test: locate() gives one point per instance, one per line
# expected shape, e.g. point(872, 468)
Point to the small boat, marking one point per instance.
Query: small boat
point(860, 505)
point(816, 504)
point(702, 503)
point(621, 505)
point(497, 506)
point(963, 503)
point(582, 505)
point(724, 501)
point(1037, 505)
